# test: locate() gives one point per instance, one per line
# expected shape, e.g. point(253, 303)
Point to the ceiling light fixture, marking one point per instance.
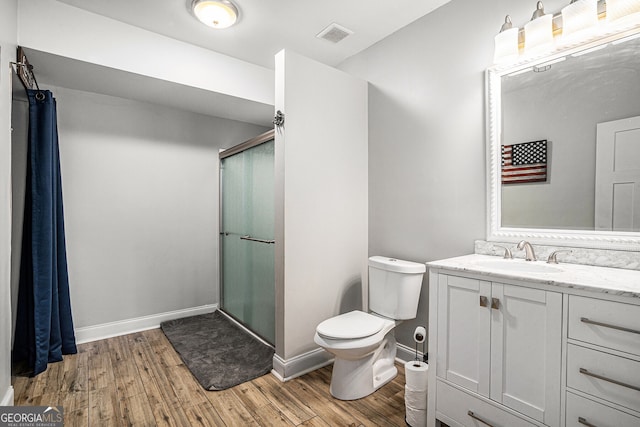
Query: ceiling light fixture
point(217, 14)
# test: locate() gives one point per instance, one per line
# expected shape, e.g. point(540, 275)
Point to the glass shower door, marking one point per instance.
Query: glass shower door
point(247, 232)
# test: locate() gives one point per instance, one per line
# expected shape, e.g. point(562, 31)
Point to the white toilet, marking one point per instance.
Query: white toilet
point(363, 344)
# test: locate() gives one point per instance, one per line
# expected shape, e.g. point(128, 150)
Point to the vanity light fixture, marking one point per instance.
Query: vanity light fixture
point(217, 14)
point(506, 43)
point(538, 33)
point(579, 17)
point(623, 12)
point(581, 22)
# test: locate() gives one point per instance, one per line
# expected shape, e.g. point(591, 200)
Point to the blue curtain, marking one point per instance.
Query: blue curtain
point(44, 327)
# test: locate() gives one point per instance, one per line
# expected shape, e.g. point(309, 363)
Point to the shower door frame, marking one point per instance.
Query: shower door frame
point(236, 149)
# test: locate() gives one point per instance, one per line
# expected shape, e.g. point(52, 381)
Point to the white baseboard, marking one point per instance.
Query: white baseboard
point(7, 399)
point(405, 353)
point(289, 369)
point(129, 326)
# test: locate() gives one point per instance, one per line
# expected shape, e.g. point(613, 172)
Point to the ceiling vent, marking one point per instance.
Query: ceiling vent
point(334, 33)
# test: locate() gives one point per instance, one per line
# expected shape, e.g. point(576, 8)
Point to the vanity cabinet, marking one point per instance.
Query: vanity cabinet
point(603, 363)
point(557, 349)
point(501, 342)
point(582, 412)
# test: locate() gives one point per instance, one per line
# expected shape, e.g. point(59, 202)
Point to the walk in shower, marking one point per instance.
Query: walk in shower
point(247, 234)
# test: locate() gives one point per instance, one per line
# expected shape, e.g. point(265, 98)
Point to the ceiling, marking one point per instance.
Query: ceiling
point(267, 26)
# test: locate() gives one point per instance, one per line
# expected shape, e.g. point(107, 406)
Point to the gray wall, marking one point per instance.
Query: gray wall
point(140, 184)
point(8, 40)
point(427, 133)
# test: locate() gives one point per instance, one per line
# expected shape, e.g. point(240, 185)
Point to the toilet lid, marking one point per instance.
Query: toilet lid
point(355, 324)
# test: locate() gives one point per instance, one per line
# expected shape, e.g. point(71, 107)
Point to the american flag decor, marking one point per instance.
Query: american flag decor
point(525, 162)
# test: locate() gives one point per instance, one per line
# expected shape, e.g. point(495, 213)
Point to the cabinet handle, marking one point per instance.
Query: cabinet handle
point(585, 422)
point(484, 301)
point(495, 303)
point(600, 377)
point(475, 417)
point(607, 325)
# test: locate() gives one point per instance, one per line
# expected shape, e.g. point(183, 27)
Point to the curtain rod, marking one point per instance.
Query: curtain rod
point(25, 72)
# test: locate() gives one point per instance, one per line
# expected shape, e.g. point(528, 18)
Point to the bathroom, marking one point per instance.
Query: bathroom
point(426, 156)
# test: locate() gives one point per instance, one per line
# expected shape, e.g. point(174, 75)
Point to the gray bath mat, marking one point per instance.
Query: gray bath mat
point(216, 351)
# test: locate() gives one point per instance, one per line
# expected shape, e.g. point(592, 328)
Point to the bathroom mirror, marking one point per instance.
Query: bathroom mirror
point(579, 110)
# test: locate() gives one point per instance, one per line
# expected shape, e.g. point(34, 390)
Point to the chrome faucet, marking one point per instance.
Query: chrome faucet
point(529, 254)
point(553, 258)
point(507, 252)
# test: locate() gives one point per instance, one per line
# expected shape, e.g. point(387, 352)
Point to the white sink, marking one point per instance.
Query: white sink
point(518, 266)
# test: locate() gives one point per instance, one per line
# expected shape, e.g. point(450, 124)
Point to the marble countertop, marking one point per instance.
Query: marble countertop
point(613, 281)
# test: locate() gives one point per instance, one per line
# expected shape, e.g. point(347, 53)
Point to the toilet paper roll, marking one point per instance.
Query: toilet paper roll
point(415, 399)
point(416, 375)
point(416, 417)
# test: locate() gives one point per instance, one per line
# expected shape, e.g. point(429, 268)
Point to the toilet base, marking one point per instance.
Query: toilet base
point(355, 379)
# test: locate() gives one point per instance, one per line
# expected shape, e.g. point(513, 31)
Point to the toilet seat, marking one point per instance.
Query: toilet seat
point(364, 364)
point(353, 325)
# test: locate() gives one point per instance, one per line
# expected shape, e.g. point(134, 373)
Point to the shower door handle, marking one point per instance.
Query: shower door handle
point(253, 239)
point(248, 237)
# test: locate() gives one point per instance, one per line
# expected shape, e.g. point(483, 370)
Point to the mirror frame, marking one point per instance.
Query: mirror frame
point(629, 241)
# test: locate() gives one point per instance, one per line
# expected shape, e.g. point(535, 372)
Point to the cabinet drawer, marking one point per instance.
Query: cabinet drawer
point(596, 414)
point(453, 407)
point(609, 317)
point(626, 372)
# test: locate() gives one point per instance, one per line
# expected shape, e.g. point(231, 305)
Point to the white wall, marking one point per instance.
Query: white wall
point(140, 187)
point(321, 167)
point(8, 36)
point(427, 132)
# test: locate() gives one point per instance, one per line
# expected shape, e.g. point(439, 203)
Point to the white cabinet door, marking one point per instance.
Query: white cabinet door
point(503, 342)
point(463, 332)
point(526, 350)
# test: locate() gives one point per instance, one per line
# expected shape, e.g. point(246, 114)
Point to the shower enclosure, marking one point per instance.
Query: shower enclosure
point(247, 234)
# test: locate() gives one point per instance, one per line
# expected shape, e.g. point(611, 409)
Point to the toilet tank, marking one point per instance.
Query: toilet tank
point(394, 287)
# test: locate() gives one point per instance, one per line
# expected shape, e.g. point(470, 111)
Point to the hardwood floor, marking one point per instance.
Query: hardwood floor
point(140, 380)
